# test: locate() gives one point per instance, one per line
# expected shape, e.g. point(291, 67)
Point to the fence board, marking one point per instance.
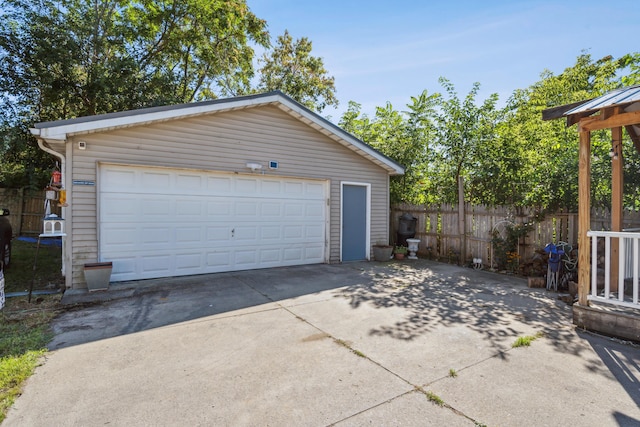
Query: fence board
point(26, 210)
point(438, 231)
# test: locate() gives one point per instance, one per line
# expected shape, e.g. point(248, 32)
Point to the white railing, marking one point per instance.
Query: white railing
point(628, 265)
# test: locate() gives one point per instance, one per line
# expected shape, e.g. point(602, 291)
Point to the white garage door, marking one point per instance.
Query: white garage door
point(157, 222)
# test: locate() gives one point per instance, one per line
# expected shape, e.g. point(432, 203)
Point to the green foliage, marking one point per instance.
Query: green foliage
point(19, 276)
point(402, 136)
point(20, 337)
point(526, 341)
point(434, 398)
point(505, 249)
point(507, 156)
point(13, 372)
point(69, 58)
point(544, 165)
point(24, 334)
point(464, 132)
point(290, 68)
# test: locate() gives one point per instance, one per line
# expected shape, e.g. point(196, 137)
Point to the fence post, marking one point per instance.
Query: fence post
point(461, 221)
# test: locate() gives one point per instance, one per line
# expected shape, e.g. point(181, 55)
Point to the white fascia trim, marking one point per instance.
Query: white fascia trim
point(61, 132)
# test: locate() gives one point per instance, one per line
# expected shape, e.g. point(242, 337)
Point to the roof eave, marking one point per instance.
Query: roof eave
point(60, 131)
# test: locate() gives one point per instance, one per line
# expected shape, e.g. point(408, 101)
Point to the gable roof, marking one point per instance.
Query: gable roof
point(58, 131)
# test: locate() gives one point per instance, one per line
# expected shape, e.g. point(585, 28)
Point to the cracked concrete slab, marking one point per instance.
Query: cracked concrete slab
point(353, 344)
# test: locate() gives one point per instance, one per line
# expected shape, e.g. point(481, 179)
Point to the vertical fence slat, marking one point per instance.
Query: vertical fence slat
point(26, 210)
point(438, 228)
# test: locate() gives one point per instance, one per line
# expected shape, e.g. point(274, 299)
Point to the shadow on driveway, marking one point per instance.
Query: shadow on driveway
point(408, 322)
point(130, 307)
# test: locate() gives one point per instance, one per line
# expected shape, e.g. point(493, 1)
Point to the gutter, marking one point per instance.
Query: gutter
point(63, 170)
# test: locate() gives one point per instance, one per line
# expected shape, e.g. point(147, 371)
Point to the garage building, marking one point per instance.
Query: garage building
point(234, 184)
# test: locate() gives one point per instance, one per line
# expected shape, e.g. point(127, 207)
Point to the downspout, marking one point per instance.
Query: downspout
point(63, 170)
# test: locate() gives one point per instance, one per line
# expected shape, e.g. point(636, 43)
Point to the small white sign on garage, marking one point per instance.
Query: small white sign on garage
point(161, 222)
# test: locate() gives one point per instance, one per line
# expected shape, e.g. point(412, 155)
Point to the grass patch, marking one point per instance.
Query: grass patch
point(14, 370)
point(24, 334)
point(526, 340)
point(453, 373)
point(24, 326)
point(434, 398)
point(19, 275)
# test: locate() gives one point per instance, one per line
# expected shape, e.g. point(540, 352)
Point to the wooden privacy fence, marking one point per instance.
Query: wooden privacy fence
point(27, 210)
point(442, 237)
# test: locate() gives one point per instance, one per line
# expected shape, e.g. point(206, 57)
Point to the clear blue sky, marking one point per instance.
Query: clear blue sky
point(390, 50)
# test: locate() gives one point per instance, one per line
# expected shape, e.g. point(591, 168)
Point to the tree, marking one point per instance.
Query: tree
point(61, 59)
point(547, 172)
point(464, 133)
point(290, 68)
point(508, 156)
point(402, 136)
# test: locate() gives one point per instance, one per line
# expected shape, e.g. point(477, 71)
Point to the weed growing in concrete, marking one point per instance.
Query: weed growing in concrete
point(453, 373)
point(434, 398)
point(526, 340)
point(347, 346)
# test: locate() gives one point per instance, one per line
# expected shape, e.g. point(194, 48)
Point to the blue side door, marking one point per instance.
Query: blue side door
point(354, 222)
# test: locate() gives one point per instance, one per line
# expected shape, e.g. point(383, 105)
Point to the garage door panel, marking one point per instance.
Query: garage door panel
point(219, 234)
point(118, 178)
point(156, 236)
point(121, 234)
point(295, 189)
point(293, 254)
point(270, 256)
point(246, 233)
point(193, 181)
point(246, 209)
point(245, 258)
point(186, 235)
point(271, 188)
point(119, 206)
point(207, 222)
point(314, 232)
point(246, 186)
point(217, 185)
point(270, 209)
point(123, 269)
point(152, 207)
point(157, 264)
point(270, 232)
point(314, 190)
point(293, 209)
point(192, 261)
point(219, 209)
point(156, 181)
point(189, 209)
point(218, 259)
point(293, 232)
point(314, 210)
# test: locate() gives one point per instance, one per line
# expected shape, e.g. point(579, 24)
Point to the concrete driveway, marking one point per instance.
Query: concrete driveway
point(413, 343)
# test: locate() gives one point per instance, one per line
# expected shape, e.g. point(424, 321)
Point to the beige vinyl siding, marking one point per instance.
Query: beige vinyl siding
point(223, 142)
